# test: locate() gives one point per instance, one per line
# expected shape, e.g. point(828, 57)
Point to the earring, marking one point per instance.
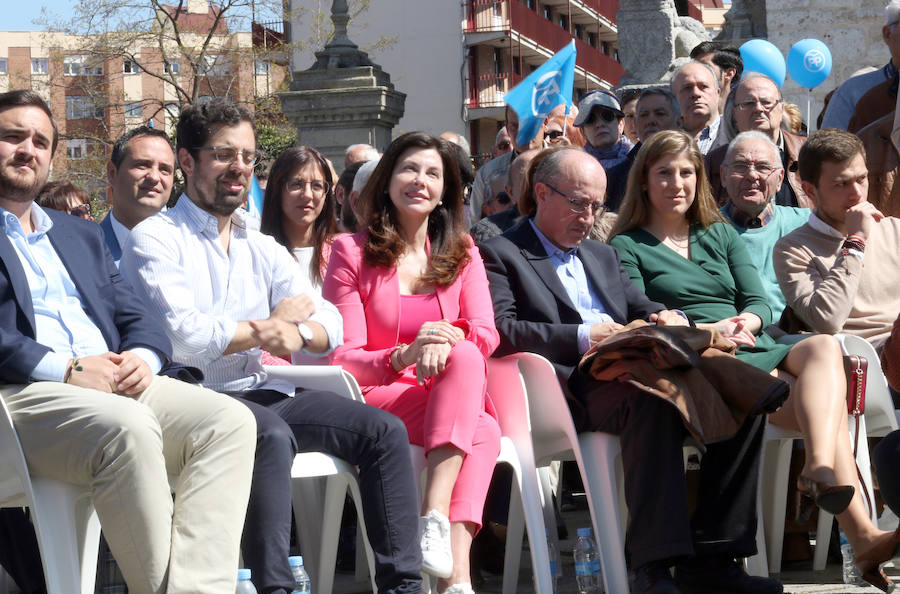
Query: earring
point(440, 202)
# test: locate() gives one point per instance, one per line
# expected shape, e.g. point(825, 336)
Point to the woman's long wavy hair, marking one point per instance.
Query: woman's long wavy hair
point(446, 223)
point(272, 220)
point(636, 209)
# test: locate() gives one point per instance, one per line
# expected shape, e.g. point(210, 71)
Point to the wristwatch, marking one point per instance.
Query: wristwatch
point(306, 334)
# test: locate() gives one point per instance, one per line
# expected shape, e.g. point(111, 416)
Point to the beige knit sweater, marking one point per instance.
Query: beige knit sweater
point(834, 293)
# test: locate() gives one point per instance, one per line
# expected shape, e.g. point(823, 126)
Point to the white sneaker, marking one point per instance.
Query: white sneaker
point(460, 589)
point(434, 539)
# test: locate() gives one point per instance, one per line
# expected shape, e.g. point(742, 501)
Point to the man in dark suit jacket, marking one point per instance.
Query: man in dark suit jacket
point(79, 355)
point(140, 172)
point(555, 293)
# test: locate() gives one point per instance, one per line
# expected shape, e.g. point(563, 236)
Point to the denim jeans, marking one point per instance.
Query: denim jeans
point(373, 440)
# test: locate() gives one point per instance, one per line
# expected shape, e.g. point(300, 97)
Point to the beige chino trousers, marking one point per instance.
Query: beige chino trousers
point(125, 449)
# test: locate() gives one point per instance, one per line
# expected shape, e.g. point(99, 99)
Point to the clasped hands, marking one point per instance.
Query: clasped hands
point(665, 317)
point(430, 349)
point(279, 334)
point(114, 373)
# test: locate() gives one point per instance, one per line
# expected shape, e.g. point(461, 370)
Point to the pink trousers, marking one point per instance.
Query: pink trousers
point(450, 409)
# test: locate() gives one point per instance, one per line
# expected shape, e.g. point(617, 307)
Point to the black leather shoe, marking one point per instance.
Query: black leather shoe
point(653, 578)
point(721, 575)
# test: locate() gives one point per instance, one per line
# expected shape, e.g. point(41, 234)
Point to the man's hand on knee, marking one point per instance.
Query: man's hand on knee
point(97, 372)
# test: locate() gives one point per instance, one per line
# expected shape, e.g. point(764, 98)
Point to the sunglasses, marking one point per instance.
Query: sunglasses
point(604, 114)
point(553, 135)
point(504, 145)
point(82, 211)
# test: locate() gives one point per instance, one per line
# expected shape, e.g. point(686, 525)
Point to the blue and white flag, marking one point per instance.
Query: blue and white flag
point(541, 91)
point(255, 198)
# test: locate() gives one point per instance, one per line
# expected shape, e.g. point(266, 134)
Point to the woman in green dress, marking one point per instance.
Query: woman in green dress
point(680, 251)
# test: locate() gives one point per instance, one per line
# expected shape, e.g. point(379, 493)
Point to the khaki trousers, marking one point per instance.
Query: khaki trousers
point(125, 449)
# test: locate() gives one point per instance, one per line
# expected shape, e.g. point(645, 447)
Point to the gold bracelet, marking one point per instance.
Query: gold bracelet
point(75, 365)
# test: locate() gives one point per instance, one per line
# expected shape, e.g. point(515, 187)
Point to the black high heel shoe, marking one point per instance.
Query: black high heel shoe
point(834, 499)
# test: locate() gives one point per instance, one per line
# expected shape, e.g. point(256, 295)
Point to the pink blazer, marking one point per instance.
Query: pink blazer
point(368, 298)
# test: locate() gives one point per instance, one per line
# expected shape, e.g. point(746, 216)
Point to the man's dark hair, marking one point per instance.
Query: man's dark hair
point(830, 144)
point(120, 148)
point(26, 98)
point(345, 180)
point(724, 56)
point(199, 121)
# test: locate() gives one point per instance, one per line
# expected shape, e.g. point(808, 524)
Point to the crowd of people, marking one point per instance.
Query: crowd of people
point(700, 209)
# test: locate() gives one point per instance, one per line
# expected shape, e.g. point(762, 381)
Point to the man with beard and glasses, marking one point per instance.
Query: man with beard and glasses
point(223, 291)
point(81, 357)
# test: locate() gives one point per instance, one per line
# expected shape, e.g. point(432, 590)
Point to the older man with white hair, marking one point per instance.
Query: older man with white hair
point(696, 87)
point(356, 153)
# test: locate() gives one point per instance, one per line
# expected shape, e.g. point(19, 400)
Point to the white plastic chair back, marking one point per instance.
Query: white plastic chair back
point(67, 528)
point(881, 417)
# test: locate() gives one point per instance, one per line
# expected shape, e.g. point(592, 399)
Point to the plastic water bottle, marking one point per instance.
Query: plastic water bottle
point(244, 585)
point(850, 572)
point(555, 563)
point(301, 578)
point(588, 575)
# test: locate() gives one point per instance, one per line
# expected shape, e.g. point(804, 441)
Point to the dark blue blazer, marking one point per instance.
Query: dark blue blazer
point(110, 301)
point(109, 235)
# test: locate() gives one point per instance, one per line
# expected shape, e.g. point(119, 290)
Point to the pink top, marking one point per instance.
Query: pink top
point(415, 310)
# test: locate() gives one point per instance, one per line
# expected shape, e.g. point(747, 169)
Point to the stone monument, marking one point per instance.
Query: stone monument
point(745, 20)
point(344, 98)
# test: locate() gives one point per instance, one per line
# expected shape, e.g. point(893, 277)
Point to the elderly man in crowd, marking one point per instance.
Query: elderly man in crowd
point(222, 291)
point(752, 173)
point(498, 223)
point(357, 153)
point(82, 358)
point(758, 106)
point(657, 109)
point(843, 103)
point(502, 143)
point(697, 88)
point(725, 61)
point(600, 118)
point(140, 171)
point(840, 271)
point(555, 293)
point(498, 168)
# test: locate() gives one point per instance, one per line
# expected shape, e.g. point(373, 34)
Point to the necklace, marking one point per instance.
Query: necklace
point(680, 243)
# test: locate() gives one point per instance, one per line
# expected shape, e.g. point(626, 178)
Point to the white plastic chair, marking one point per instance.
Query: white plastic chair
point(878, 420)
point(597, 455)
point(318, 507)
point(67, 528)
point(525, 510)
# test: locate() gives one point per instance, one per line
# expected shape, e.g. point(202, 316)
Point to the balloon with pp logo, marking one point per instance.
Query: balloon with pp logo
point(809, 62)
point(762, 56)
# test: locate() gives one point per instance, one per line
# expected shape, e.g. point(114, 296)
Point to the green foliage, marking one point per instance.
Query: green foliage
point(275, 133)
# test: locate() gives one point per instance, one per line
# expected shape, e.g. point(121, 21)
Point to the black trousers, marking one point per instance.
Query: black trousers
point(372, 439)
point(19, 553)
point(651, 433)
point(886, 458)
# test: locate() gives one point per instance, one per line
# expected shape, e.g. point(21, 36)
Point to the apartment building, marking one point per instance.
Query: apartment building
point(456, 59)
point(95, 96)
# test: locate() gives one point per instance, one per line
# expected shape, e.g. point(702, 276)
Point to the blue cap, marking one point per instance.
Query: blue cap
point(296, 561)
point(243, 574)
point(584, 532)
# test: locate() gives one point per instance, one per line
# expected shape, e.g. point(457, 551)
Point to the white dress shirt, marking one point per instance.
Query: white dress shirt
point(201, 292)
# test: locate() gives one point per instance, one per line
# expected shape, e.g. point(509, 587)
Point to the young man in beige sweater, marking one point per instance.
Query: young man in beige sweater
point(840, 272)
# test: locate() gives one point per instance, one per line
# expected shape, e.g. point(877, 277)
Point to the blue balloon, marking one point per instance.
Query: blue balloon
point(762, 56)
point(809, 62)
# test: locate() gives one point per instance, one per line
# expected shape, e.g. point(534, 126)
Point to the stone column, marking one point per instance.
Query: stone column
point(344, 98)
point(647, 30)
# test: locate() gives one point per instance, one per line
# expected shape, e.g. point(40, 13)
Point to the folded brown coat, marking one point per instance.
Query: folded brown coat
point(695, 370)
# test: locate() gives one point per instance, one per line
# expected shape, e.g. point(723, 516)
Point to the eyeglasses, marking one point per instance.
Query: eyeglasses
point(767, 104)
point(742, 168)
point(227, 154)
point(554, 134)
point(317, 187)
point(580, 206)
point(82, 211)
point(505, 145)
point(604, 114)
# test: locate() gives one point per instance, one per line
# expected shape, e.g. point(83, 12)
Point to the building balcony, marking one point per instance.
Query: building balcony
point(489, 90)
point(533, 37)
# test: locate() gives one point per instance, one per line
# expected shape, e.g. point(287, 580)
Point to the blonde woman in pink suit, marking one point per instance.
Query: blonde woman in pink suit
point(418, 327)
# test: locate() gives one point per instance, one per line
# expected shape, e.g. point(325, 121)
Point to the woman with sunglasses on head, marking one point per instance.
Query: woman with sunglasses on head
point(418, 327)
point(66, 197)
point(680, 251)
